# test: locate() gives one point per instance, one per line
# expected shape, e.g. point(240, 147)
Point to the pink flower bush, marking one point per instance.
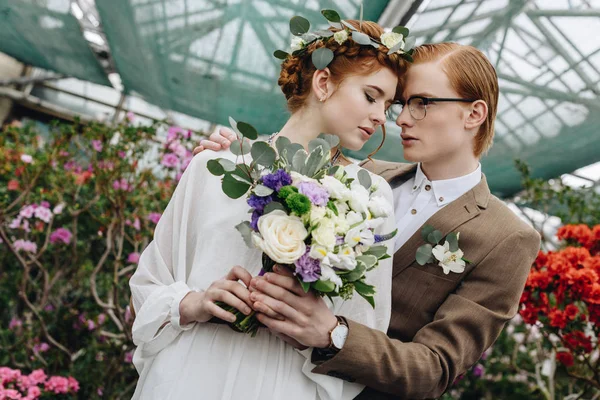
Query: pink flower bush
point(61, 235)
point(154, 217)
point(133, 258)
point(97, 144)
point(170, 160)
point(25, 245)
point(15, 385)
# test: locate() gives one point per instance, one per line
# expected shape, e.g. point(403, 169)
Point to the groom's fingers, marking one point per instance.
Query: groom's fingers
point(279, 327)
point(286, 282)
point(263, 308)
point(277, 306)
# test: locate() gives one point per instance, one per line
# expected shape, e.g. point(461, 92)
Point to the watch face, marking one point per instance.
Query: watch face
point(338, 336)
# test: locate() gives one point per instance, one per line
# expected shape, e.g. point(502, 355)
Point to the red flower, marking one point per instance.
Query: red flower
point(571, 311)
point(565, 357)
point(575, 233)
point(558, 318)
point(13, 185)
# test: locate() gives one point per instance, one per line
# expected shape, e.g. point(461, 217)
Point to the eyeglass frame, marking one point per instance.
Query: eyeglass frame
point(426, 101)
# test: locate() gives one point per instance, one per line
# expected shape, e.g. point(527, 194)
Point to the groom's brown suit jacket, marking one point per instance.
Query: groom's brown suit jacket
point(441, 324)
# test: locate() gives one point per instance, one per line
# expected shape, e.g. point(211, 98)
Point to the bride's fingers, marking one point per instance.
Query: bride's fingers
point(218, 312)
point(198, 149)
point(239, 273)
point(210, 145)
point(282, 270)
point(232, 300)
point(227, 136)
point(263, 308)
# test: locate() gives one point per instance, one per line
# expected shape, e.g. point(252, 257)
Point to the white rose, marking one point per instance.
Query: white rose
point(341, 36)
point(297, 43)
point(359, 198)
point(282, 237)
point(379, 206)
point(336, 189)
point(391, 39)
point(325, 234)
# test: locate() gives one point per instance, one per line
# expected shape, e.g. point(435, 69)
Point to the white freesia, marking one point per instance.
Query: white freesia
point(359, 198)
point(325, 234)
point(341, 36)
point(297, 43)
point(379, 206)
point(354, 218)
point(391, 39)
point(359, 235)
point(282, 237)
point(328, 274)
point(449, 261)
point(374, 223)
point(345, 259)
point(336, 189)
point(318, 252)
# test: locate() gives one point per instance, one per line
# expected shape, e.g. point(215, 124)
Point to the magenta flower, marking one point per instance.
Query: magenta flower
point(173, 133)
point(97, 145)
point(59, 208)
point(57, 384)
point(45, 204)
point(15, 323)
point(25, 245)
point(36, 377)
point(61, 235)
point(129, 357)
point(101, 319)
point(154, 217)
point(170, 160)
point(133, 258)
point(90, 325)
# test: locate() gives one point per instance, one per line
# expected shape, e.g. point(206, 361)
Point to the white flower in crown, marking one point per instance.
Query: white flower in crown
point(297, 43)
point(391, 39)
point(449, 261)
point(341, 36)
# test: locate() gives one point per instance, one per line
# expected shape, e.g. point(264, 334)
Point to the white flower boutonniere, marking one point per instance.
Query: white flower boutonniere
point(392, 39)
point(448, 254)
point(297, 44)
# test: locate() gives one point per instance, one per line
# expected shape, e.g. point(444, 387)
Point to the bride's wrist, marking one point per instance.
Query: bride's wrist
point(189, 307)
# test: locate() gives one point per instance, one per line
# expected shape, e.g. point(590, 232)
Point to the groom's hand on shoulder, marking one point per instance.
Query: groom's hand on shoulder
point(217, 141)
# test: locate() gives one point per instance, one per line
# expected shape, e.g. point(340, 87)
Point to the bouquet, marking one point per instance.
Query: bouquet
point(306, 215)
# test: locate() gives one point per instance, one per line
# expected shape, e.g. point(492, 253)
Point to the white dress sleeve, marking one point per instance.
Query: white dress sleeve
point(160, 281)
point(359, 310)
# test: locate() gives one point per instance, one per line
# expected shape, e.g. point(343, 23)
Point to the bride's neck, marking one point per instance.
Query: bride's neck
point(302, 127)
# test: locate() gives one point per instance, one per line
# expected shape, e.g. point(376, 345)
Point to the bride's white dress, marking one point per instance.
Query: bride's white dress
point(195, 243)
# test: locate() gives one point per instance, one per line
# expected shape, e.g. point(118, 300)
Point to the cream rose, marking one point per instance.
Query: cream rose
point(391, 39)
point(297, 44)
point(282, 237)
point(341, 36)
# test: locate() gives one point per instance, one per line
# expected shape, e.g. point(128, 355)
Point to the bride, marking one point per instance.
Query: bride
point(181, 353)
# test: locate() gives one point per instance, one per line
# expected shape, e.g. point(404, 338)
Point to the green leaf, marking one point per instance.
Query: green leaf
point(409, 43)
point(331, 15)
point(321, 57)
point(356, 274)
point(408, 57)
point(247, 130)
point(263, 154)
point(214, 167)
point(299, 26)
point(227, 165)
point(435, 237)
point(401, 30)
point(332, 207)
point(240, 147)
point(364, 178)
point(377, 251)
point(333, 140)
point(316, 160)
point(299, 161)
point(241, 179)
point(272, 206)
point(313, 144)
point(233, 124)
point(280, 54)
point(232, 187)
point(361, 38)
point(324, 286)
point(368, 260)
point(427, 229)
point(281, 143)
point(452, 240)
point(305, 285)
point(424, 254)
point(388, 236)
point(324, 33)
point(349, 26)
point(370, 299)
point(292, 149)
point(363, 288)
point(246, 232)
point(262, 191)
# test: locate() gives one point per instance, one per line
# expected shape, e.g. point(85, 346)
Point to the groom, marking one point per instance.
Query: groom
point(440, 323)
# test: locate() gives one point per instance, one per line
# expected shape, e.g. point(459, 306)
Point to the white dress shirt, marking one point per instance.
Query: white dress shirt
point(417, 199)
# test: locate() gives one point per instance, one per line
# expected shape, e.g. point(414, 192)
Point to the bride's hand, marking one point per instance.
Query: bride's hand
point(217, 141)
point(201, 307)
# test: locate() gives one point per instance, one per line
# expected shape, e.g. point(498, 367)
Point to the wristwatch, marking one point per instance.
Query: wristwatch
point(337, 338)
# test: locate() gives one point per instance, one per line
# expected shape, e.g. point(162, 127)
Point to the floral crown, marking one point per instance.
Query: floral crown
point(396, 41)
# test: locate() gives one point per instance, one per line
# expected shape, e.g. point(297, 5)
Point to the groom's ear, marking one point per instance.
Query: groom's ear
point(322, 86)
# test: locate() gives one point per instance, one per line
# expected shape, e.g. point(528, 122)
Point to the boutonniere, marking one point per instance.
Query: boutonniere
point(448, 254)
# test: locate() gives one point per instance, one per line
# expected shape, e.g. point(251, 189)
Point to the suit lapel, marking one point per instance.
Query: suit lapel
point(446, 220)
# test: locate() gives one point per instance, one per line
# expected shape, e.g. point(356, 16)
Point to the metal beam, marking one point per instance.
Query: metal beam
point(457, 24)
point(546, 93)
point(564, 13)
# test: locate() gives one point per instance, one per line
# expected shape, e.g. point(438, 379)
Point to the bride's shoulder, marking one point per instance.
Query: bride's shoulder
point(200, 160)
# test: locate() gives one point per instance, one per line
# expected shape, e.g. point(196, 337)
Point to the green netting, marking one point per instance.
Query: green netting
point(47, 39)
point(211, 59)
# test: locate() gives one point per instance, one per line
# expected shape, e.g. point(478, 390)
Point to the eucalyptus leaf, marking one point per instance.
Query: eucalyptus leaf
point(368, 259)
point(349, 26)
point(215, 168)
point(280, 54)
point(334, 170)
point(361, 38)
point(333, 140)
point(375, 44)
point(324, 286)
point(335, 25)
point(377, 251)
point(321, 57)
point(241, 179)
point(299, 26)
point(401, 30)
point(356, 273)
point(331, 15)
point(299, 161)
point(292, 149)
point(427, 229)
point(272, 206)
point(424, 254)
point(324, 33)
point(315, 161)
point(240, 147)
point(233, 124)
point(246, 232)
point(309, 37)
point(364, 178)
point(408, 57)
point(409, 43)
point(397, 47)
point(262, 191)
point(313, 144)
point(281, 143)
point(232, 187)
point(435, 237)
point(227, 165)
point(247, 130)
point(452, 240)
point(263, 154)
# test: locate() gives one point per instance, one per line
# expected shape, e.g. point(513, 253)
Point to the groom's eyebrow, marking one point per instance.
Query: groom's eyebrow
point(380, 91)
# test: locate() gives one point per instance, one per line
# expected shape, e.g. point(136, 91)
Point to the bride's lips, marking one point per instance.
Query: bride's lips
point(367, 132)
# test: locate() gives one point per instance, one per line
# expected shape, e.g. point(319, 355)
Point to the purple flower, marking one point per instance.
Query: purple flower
point(170, 160)
point(478, 371)
point(259, 203)
point(45, 204)
point(154, 217)
point(277, 180)
point(254, 221)
point(317, 195)
point(308, 268)
point(97, 145)
point(61, 235)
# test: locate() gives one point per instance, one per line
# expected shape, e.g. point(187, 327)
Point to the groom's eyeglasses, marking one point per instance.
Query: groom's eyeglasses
point(417, 106)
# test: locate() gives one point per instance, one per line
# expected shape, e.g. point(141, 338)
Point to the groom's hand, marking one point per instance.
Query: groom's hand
point(307, 319)
point(217, 141)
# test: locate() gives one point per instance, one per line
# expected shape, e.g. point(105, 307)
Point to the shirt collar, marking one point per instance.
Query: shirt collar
point(447, 190)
